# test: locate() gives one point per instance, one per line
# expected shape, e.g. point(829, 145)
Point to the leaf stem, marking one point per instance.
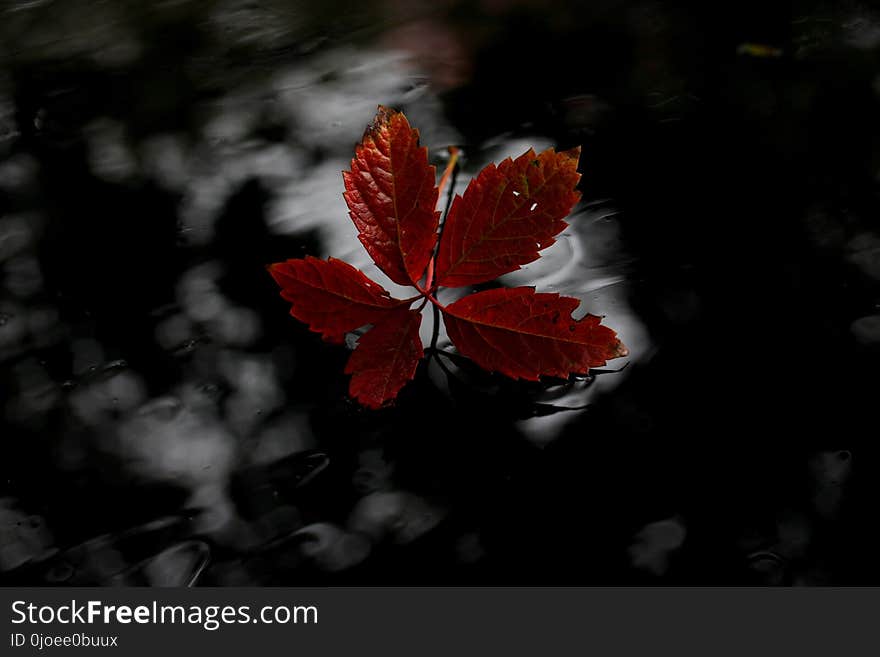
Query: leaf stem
point(429, 278)
point(430, 297)
point(451, 172)
point(450, 167)
point(435, 332)
point(435, 353)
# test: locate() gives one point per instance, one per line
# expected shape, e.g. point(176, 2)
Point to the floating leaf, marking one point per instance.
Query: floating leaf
point(392, 197)
point(385, 359)
point(331, 296)
point(507, 214)
point(524, 334)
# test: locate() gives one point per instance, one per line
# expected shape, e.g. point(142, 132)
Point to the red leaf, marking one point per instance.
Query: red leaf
point(507, 214)
point(331, 296)
point(524, 334)
point(392, 197)
point(385, 358)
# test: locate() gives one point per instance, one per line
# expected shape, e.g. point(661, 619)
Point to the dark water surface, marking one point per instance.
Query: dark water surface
point(165, 421)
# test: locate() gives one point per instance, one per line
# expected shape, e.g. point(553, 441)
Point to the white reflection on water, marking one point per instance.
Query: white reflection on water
point(37, 395)
point(23, 276)
point(289, 434)
point(17, 172)
point(164, 158)
point(314, 201)
point(331, 548)
point(864, 252)
point(830, 473)
point(110, 156)
point(867, 329)
point(398, 516)
point(23, 538)
point(588, 262)
point(326, 101)
point(168, 441)
point(655, 544)
point(17, 232)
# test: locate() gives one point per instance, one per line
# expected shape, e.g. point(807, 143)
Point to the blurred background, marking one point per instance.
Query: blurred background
point(164, 421)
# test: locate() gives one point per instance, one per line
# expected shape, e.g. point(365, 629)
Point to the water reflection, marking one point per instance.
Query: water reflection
point(165, 422)
point(589, 262)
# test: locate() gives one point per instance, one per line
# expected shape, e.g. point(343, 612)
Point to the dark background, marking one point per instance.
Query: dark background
point(165, 421)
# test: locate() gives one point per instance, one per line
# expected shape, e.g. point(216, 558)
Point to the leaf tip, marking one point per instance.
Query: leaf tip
point(274, 270)
point(572, 154)
point(383, 118)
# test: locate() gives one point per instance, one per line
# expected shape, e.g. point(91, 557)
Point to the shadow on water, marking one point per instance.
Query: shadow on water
point(165, 421)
